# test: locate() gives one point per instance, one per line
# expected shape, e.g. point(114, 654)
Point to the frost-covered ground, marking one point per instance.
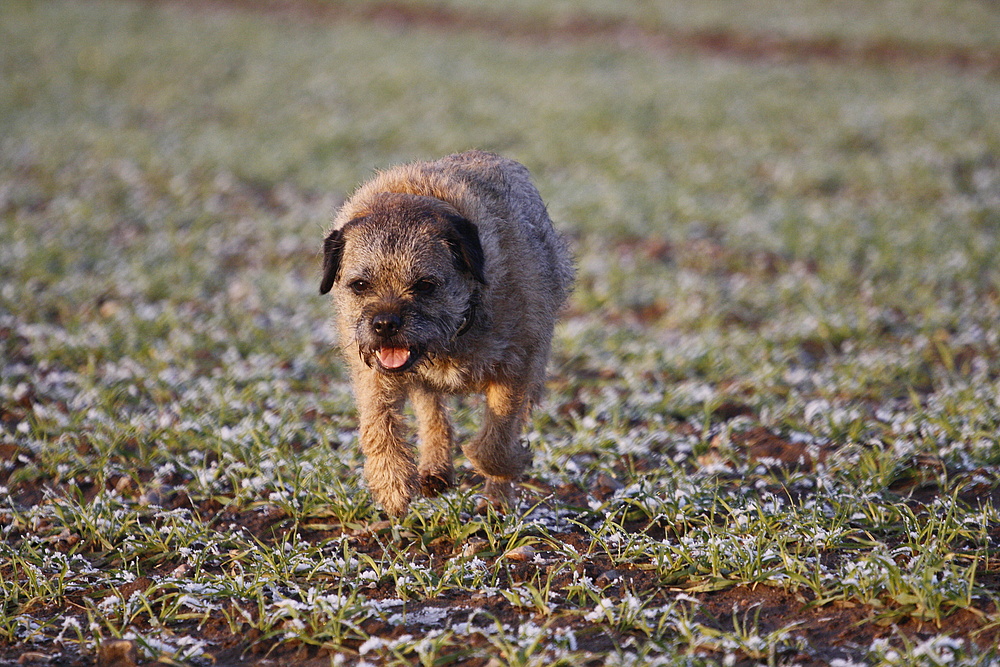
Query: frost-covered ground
point(773, 428)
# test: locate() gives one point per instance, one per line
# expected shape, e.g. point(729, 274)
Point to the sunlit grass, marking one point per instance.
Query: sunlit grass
point(779, 370)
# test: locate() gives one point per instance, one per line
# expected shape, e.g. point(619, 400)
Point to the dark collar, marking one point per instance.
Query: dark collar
point(469, 316)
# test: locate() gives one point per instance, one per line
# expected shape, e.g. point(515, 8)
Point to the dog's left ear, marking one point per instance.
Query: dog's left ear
point(465, 247)
point(333, 248)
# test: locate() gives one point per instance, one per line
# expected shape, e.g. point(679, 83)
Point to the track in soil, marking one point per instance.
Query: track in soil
point(767, 47)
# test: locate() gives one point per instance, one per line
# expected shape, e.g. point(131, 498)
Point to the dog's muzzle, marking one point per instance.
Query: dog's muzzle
point(390, 354)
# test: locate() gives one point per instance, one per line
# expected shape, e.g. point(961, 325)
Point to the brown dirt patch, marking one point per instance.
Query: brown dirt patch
point(747, 46)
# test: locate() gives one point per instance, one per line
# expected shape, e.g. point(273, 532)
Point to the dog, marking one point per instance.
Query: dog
point(448, 278)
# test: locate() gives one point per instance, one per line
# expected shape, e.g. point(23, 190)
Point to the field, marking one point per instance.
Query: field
point(772, 434)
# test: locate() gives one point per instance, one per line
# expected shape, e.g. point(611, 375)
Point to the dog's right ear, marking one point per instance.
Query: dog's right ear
point(333, 248)
point(465, 247)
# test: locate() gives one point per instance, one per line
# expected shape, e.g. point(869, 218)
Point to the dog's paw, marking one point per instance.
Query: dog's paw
point(395, 500)
point(433, 484)
point(497, 459)
point(498, 496)
point(395, 507)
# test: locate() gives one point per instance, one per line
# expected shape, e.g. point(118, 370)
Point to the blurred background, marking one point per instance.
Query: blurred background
point(775, 201)
point(854, 140)
point(786, 218)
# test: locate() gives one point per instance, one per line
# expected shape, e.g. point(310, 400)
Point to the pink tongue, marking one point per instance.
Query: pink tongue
point(393, 357)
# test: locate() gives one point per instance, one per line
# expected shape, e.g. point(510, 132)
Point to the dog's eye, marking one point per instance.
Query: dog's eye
point(424, 286)
point(360, 286)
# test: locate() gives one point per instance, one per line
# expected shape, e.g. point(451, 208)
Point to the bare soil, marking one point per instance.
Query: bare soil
point(737, 45)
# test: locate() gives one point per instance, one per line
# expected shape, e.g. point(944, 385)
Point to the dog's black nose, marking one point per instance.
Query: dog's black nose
point(387, 324)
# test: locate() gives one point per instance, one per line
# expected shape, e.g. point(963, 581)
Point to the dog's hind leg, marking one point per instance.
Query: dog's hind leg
point(496, 452)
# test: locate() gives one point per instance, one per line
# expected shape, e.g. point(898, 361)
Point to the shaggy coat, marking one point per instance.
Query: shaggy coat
point(448, 278)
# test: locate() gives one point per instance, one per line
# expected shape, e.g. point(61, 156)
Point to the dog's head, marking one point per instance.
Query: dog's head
point(404, 274)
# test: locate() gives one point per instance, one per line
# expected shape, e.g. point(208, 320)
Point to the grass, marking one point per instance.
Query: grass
point(771, 435)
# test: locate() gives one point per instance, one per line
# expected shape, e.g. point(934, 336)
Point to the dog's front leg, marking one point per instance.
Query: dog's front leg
point(435, 471)
point(389, 468)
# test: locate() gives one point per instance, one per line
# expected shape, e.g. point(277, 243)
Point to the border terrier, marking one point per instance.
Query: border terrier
point(447, 278)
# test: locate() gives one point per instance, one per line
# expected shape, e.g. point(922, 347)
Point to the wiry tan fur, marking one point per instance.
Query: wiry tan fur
point(475, 303)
